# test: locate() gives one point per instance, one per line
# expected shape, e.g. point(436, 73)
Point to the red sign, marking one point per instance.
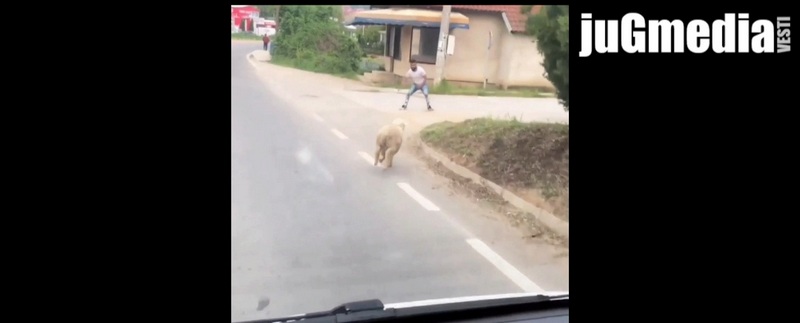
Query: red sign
point(247, 12)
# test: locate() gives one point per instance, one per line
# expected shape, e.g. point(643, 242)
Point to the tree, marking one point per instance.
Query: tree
point(551, 29)
point(370, 40)
point(314, 38)
point(268, 11)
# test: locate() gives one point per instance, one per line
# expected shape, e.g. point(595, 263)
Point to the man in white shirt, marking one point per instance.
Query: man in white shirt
point(419, 81)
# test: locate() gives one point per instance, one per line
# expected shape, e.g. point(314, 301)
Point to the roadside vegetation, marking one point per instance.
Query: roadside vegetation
point(446, 88)
point(369, 39)
point(313, 38)
point(529, 159)
point(551, 29)
point(245, 36)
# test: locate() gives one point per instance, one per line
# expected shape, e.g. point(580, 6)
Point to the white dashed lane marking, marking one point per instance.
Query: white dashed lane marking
point(367, 157)
point(338, 134)
point(427, 204)
point(317, 117)
point(507, 269)
point(501, 264)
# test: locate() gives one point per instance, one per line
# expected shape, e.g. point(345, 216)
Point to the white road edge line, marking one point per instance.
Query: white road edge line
point(367, 157)
point(247, 58)
point(338, 134)
point(427, 204)
point(507, 269)
point(316, 116)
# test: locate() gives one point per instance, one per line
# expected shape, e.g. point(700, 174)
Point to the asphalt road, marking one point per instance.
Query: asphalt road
point(313, 225)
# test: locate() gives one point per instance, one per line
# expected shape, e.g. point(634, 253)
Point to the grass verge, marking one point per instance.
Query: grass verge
point(529, 159)
point(245, 36)
point(306, 66)
point(446, 88)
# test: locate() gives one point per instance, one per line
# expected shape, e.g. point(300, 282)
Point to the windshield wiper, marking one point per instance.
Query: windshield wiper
point(374, 310)
point(348, 312)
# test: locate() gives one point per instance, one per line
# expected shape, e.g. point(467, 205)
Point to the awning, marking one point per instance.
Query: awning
point(407, 17)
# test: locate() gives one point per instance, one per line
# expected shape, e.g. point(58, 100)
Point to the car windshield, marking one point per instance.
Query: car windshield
point(369, 163)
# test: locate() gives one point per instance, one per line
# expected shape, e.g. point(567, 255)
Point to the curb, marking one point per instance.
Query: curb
point(252, 56)
point(558, 226)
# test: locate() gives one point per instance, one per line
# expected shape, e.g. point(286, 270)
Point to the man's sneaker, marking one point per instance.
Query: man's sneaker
point(430, 109)
point(403, 107)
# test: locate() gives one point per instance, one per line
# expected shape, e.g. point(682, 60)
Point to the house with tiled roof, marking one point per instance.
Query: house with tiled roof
point(488, 42)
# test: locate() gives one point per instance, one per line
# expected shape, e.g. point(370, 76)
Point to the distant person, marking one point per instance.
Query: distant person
point(419, 81)
point(266, 42)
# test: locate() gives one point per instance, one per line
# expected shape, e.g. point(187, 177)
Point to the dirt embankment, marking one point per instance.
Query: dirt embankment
point(529, 159)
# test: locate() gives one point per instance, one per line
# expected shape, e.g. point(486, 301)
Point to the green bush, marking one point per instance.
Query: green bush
point(312, 40)
point(367, 65)
point(267, 11)
point(245, 36)
point(370, 40)
point(551, 30)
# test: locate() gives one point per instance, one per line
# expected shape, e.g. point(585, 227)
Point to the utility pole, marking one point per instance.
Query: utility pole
point(486, 64)
point(444, 32)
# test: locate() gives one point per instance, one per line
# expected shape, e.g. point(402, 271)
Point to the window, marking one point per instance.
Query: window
point(424, 44)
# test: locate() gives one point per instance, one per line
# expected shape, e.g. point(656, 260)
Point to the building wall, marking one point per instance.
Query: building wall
point(471, 60)
point(524, 63)
point(513, 60)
